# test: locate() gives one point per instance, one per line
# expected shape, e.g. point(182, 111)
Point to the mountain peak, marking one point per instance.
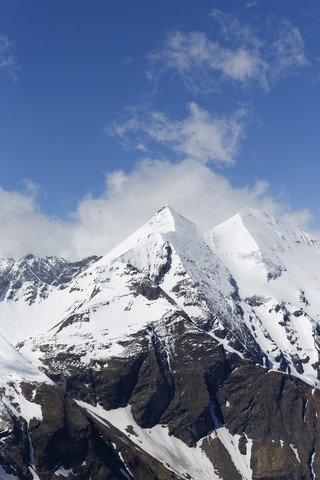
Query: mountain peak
point(165, 207)
point(166, 220)
point(250, 215)
point(269, 231)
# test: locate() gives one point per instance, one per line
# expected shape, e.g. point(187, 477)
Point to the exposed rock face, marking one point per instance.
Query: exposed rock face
point(194, 388)
point(67, 440)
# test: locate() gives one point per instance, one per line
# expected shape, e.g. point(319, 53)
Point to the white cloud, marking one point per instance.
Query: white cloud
point(129, 200)
point(8, 62)
point(25, 229)
point(288, 49)
point(243, 55)
point(202, 64)
point(200, 136)
point(141, 147)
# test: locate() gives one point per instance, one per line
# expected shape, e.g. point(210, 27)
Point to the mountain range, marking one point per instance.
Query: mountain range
point(181, 354)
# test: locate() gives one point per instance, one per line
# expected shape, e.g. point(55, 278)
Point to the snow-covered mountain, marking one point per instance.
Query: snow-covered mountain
point(276, 267)
point(179, 354)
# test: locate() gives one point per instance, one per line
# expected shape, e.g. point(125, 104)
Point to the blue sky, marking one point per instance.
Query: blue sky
point(110, 109)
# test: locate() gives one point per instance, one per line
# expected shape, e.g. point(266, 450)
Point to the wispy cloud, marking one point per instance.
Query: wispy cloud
point(242, 55)
point(288, 51)
point(8, 62)
point(200, 136)
point(202, 65)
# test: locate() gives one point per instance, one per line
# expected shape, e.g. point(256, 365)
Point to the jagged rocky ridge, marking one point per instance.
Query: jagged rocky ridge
point(180, 354)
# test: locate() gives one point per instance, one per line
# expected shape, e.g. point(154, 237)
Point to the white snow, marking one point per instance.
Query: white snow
point(295, 451)
point(34, 473)
point(7, 476)
point(278, 264)
point(121, 469)
point(63, 472)
point(101, 322)
point(231, 444)
point(171, 451)
point(13, 399)
point(312, 471)
point(14, 369)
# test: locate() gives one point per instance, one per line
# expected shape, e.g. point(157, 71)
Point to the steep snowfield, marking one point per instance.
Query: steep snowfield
point(276, 267)
point(104, 309)
point(20, 320)
point(270, 256)
point(172, 452)
point(14, 369)
point(31, 294)
point(171, 244)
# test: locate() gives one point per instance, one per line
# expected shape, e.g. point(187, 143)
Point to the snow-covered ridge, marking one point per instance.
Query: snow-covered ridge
point(269, 257)
point(48, 270)
point(276, 267)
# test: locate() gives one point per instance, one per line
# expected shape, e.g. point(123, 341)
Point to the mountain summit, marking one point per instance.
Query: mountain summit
point(179, 354)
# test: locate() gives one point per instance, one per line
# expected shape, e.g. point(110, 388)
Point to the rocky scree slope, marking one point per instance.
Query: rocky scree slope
point(180, 354)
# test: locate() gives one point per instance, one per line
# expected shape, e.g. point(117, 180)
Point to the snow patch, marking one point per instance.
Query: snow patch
point(34, 474)
point(157, 442)
point(63, 472)
point(7, 476)
point(18, 405)
point(295, 451)
point(231, 444)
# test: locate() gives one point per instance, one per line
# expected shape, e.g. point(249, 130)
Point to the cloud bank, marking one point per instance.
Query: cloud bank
point(129, 200)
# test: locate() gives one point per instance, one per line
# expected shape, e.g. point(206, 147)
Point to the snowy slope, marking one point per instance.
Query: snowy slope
point(174, 253)
point(15, 369)
point(31, 293)
point(276, 267)
point(101, 309)
point(270, 255)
